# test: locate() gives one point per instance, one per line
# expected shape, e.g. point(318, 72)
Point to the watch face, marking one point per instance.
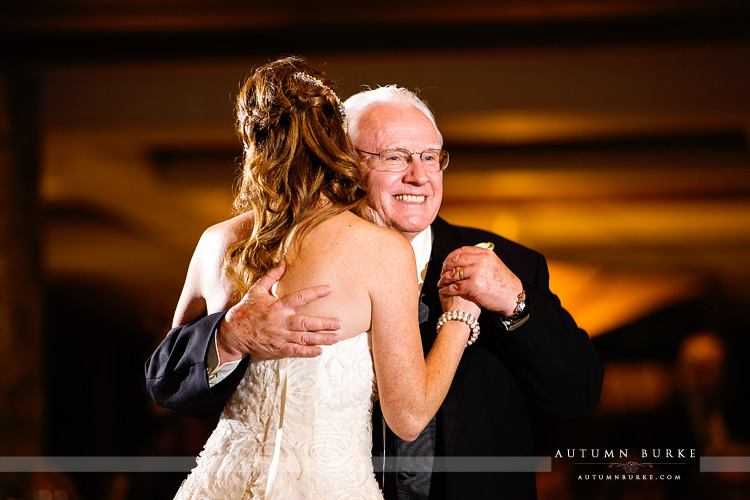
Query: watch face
point(521, 304)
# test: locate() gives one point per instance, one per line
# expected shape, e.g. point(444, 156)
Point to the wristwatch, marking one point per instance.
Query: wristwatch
point(519, 316)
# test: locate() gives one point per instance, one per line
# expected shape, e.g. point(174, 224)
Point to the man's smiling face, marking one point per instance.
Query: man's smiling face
point(407, 201)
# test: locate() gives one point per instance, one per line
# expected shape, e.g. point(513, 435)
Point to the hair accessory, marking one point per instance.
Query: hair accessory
point(317, 82)
point(464, 316)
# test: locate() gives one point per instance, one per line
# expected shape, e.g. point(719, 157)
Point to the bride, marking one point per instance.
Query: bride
point(301, 427)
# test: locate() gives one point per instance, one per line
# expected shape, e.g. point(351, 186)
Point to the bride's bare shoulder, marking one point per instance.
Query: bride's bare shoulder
point(221, 236)
point(372, 239)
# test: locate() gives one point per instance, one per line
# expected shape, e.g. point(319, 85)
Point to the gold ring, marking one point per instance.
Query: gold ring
point(461, 273)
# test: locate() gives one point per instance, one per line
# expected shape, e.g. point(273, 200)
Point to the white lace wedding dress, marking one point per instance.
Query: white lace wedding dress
point(296, 428)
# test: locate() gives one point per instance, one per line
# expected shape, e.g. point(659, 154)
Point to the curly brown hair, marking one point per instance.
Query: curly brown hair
point(298, 169)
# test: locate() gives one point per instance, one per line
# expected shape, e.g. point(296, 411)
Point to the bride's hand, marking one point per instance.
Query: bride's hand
point(460, 302)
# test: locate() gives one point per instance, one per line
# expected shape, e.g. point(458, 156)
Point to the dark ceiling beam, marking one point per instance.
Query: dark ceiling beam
point(192, 15)
point(27, 40)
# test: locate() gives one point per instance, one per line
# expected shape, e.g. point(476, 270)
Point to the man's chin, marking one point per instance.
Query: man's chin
point(413, 225)
point(404, 224)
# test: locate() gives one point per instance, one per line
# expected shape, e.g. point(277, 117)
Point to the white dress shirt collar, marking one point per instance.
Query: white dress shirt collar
point(422, 245)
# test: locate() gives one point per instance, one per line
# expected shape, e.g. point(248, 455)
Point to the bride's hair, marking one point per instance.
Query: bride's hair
point(298, 167)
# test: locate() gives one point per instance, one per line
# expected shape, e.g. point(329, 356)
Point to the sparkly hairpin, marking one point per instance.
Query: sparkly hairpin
point(317, 82)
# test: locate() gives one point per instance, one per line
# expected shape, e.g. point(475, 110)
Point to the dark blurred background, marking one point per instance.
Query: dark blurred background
point(611, 135)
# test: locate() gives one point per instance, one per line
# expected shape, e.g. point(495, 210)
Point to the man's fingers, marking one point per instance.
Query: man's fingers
point(446, 279)
point(267, 280)
point(305, 296)
point(304, 345)
point(292, 344)
point(312, 339)
point(465, 256)
point(309, 324)
point(467, 251)
point(456, 288)
point(454, 275)
point(460, 260)
point(301, 351)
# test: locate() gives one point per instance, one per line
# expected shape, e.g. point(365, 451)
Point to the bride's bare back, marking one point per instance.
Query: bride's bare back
point(360, 262)
point(373, 279)
point(350, 255)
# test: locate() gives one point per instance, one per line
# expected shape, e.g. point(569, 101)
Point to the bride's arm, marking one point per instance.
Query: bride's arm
point(410, 387)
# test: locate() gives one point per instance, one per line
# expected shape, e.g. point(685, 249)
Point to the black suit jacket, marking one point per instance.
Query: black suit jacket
point(547, 364)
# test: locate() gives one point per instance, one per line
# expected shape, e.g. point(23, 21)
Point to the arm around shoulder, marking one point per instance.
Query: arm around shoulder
point(176, 373)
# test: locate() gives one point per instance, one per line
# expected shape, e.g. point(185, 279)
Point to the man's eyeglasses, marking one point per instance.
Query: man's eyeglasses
point(397, 159)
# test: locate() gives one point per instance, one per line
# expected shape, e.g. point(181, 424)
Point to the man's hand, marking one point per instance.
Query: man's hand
point(480, 274)
point(269, 328)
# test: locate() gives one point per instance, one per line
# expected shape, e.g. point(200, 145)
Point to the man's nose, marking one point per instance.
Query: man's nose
point(415, 171)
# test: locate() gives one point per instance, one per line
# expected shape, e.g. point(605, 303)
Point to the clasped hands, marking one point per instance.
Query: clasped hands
point(479, 275)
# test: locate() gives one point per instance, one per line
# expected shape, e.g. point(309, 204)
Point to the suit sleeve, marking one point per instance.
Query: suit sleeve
point(176, 374)
point(552, 359)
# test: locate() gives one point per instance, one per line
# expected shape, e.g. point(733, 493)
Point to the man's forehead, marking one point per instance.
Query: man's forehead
point(389, 122)
point(395, 111)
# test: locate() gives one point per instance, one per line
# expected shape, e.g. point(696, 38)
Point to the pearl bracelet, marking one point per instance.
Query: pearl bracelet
point(461, 316)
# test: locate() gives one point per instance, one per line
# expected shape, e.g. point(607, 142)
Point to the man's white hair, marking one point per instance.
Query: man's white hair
point(357, 106)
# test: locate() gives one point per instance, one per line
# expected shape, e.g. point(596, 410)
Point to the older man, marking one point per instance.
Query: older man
point(530, 356)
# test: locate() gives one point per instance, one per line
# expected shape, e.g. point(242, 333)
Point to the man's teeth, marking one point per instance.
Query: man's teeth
point(410, 198)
